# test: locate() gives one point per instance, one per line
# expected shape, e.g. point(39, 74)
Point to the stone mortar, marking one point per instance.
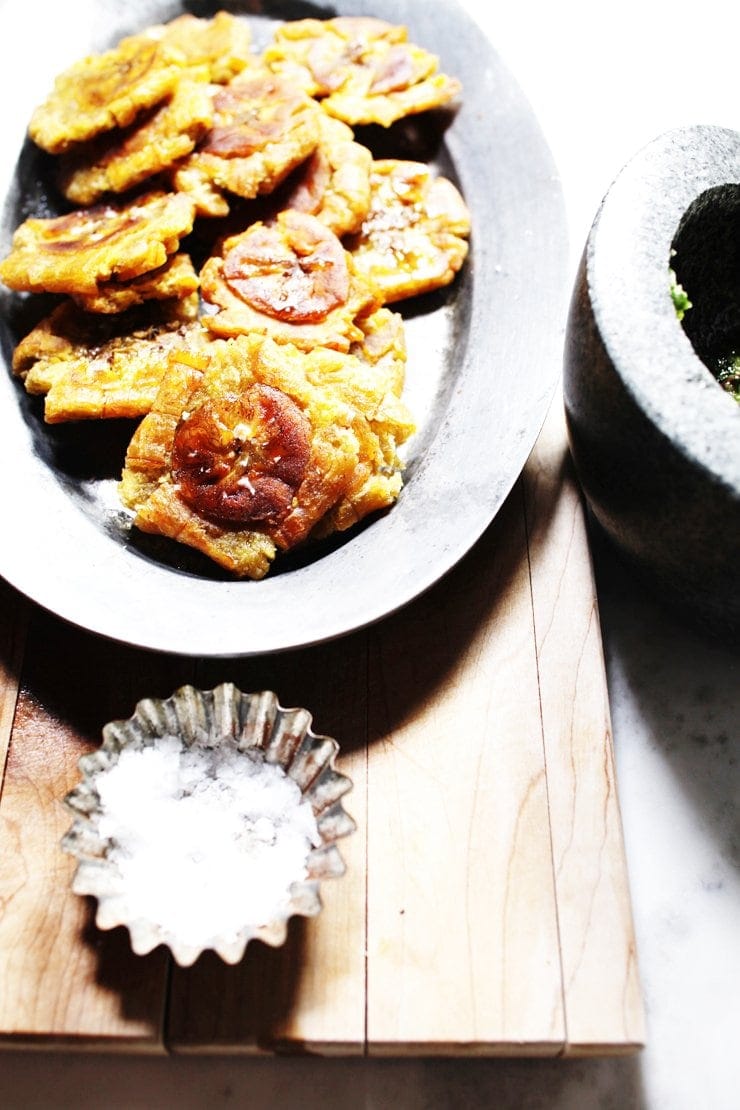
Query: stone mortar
point(654, 438)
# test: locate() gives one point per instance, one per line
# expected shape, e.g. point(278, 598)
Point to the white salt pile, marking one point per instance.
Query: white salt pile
point(206, 841)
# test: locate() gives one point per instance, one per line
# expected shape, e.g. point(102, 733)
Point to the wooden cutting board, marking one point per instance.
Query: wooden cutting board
point(485, 909)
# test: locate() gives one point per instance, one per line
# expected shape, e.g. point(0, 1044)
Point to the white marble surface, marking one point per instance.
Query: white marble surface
point(604, 79)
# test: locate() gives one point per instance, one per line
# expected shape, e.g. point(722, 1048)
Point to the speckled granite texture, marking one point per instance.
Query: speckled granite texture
point(655, 439)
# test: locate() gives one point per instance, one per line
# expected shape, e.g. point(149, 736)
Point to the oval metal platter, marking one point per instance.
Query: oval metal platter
point(484, 359)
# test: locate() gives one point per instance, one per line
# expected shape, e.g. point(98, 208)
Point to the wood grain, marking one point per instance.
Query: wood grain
point(61, 979)
point(600, 980)
point(462, 925)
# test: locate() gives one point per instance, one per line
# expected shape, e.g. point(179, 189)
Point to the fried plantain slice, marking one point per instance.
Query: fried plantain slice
point(290, 279)
point(98, 367)
point(122, 159)
point(223, 43)
point(362, 69)
point(263, 128)
point(74, 253)
point(249, 446)
point(322, 55)
point(103, 91)
point(176, 279)
point(68, 332)
point(334, 182)
point(414, 239)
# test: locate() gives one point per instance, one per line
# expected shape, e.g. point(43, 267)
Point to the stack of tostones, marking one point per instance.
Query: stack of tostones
point(105, 91)
point(94, 367)
point(122, 159)
point(82, 252)
point(224, 274)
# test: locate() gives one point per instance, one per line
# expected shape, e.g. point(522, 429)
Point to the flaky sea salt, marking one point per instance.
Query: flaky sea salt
point(206, 840)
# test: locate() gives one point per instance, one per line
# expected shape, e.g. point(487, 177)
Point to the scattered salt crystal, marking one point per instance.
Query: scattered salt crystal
point(206, 840)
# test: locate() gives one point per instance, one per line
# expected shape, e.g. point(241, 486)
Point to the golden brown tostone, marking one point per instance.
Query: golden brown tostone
point(263, 128)
point(239, 479)
point(93, 367)
point(364, 70)
point(414, 239)
point(222, 43)
point(103, 91)
point(120, 160)
point(290, 279)
point(75, 253)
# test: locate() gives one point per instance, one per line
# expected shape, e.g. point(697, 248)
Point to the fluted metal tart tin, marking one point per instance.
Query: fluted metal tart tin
point(252, 724)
